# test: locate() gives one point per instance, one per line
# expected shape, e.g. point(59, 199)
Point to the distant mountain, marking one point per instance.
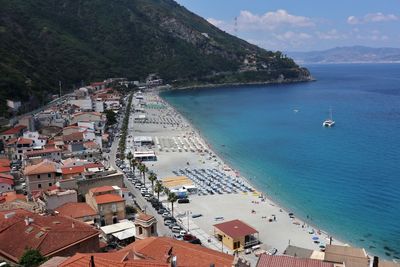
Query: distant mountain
point(46, 41)
point(351, 54)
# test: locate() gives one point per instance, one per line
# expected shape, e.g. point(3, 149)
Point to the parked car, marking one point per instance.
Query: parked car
point(195, 241)
point(183, 201)
point(196, 215)
point(188, 237)
point(167, 222)
point(272, 251)
point(176, 229)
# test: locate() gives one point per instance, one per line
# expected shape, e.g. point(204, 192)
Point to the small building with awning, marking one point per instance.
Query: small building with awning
point(145, 155)
point(123, 231)
point(180, 185)
point(236, 235)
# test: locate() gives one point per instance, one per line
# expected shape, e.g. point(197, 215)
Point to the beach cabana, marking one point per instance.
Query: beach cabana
point(236, 235)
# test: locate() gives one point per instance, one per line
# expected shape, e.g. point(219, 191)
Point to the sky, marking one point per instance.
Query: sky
point(305, 25)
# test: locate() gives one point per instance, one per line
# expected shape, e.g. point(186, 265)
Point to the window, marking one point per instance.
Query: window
point(39, 185)
point(114, 207)
point(38, 176)
point(49, 175)
point(50, 184)
point(152, 229)
point(140, 230)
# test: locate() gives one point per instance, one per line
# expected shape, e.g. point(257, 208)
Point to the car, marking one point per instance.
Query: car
point(182, 232)
point(138, 186)
point(188, 237)
point(183, 201)
point(167, 222)
point(247, 251)
point(176, 229)
point(272, 251)
point(165, 214)
point(197, 215)
point(161, 211)
point(169, 218)
point(195, 241)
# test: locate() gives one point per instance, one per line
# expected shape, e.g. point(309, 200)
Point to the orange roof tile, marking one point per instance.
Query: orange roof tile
point(6, 176)
point(144, 217)
point(48, 234)
point(24, 141)
point(100, 189)
point(4, 169)
point(266, 260)
point(73, 170)
point(235, 228)
point(188, 254)
point(76, 210)
point(5, 162)
point(73, 137)
point(12, 195)
point(43, 167)
point(43, 151)
point(108, 198)
point(116, 259)
point(6, 181)
point(15, 130)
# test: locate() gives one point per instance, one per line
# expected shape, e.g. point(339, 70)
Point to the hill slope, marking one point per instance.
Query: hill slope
point(44, 41)
point(356, 54)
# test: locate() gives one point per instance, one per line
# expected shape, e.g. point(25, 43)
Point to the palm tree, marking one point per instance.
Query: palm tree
point(152, 178)
point(145, 169)
point(129, 157)
point(158, 189)
point(141, 168)
point(172, 198)
point(134, 165)
point(166, 191)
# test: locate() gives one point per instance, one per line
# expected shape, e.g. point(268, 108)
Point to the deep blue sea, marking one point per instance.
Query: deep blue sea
point(346, 178)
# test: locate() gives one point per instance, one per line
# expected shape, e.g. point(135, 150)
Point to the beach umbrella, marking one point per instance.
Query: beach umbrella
point(315, 238)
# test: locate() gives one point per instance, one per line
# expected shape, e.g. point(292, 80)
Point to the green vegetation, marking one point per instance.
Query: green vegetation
point(130, 210)
point(152, 179)
point(124, 129)
point(47, 41)
point(172, 198)
point(111, 117)
point(158, 189)
point(31, 258)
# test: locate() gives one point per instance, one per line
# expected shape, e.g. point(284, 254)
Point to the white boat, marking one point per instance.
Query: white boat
point(329, 122)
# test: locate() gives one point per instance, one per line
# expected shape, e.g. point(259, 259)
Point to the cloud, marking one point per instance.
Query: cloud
point(331, 35)
point(271, 20)
point(372, 17)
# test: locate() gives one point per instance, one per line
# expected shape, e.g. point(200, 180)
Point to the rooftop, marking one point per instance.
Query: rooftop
point(235, 228)
point(45, 166)
point(144, 217)
point(266, 260)
point(161, 248)
point(14, 130)
point(43, 151)
point(6, 181)
point(48, 234)
point(73, 170)
point(102, 189)
point(76, 210)
point(336, 253)
point(108, 198)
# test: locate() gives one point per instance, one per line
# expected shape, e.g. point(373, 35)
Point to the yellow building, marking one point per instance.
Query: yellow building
point(236, 235)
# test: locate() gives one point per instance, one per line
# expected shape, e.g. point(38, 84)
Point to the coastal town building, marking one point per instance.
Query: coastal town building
point(51, 235)
point(108, 202)
point(79, 211)
point(146, 226)
point(14, 132)
point(236, 235)
point(41, 176)
point(266, 260)
point(349, 256)
point(6, 182)
point(54, 197)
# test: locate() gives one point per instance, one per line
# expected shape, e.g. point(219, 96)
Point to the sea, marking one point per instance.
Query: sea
point(344, 180)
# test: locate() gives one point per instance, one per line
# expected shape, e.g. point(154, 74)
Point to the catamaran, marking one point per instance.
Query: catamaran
point(329, 122)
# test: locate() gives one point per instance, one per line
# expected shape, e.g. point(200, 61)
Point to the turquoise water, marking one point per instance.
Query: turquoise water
point(345, 179)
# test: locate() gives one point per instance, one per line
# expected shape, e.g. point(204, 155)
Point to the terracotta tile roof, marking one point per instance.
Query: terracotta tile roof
point(157, 248)
point(72, 170)
point(41, 168)
point(76, 210)
point(24, 141)
point(6, 181)
point(48, 234)
point(90, 112)
point(144, 217)
point(6, 176)
point(73, 137)
point(43, 151)
point(110, 259)
point(108, 198)
point(4, 169)
point(94, 165)
point(101, 189)
point(91, 145)
point(11, 141)
point(235, 228)
point(283, 261)
point(12, 195)
point(14, 130)
point(5, 162)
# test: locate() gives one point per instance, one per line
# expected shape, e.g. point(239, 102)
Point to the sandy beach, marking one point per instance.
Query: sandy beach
point(178, 146)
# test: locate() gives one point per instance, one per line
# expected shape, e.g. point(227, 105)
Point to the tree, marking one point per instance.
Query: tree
point(143, 169)
point(158, 189)
point(111, 117)
point(172, 198)
point(152, 178)
point(129, 157)
point(31, 258)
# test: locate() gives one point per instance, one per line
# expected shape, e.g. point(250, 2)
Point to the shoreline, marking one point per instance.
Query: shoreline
point(268, 197)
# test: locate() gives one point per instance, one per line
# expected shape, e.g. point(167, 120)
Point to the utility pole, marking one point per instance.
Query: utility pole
point(59, 85)
point(188, 212)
